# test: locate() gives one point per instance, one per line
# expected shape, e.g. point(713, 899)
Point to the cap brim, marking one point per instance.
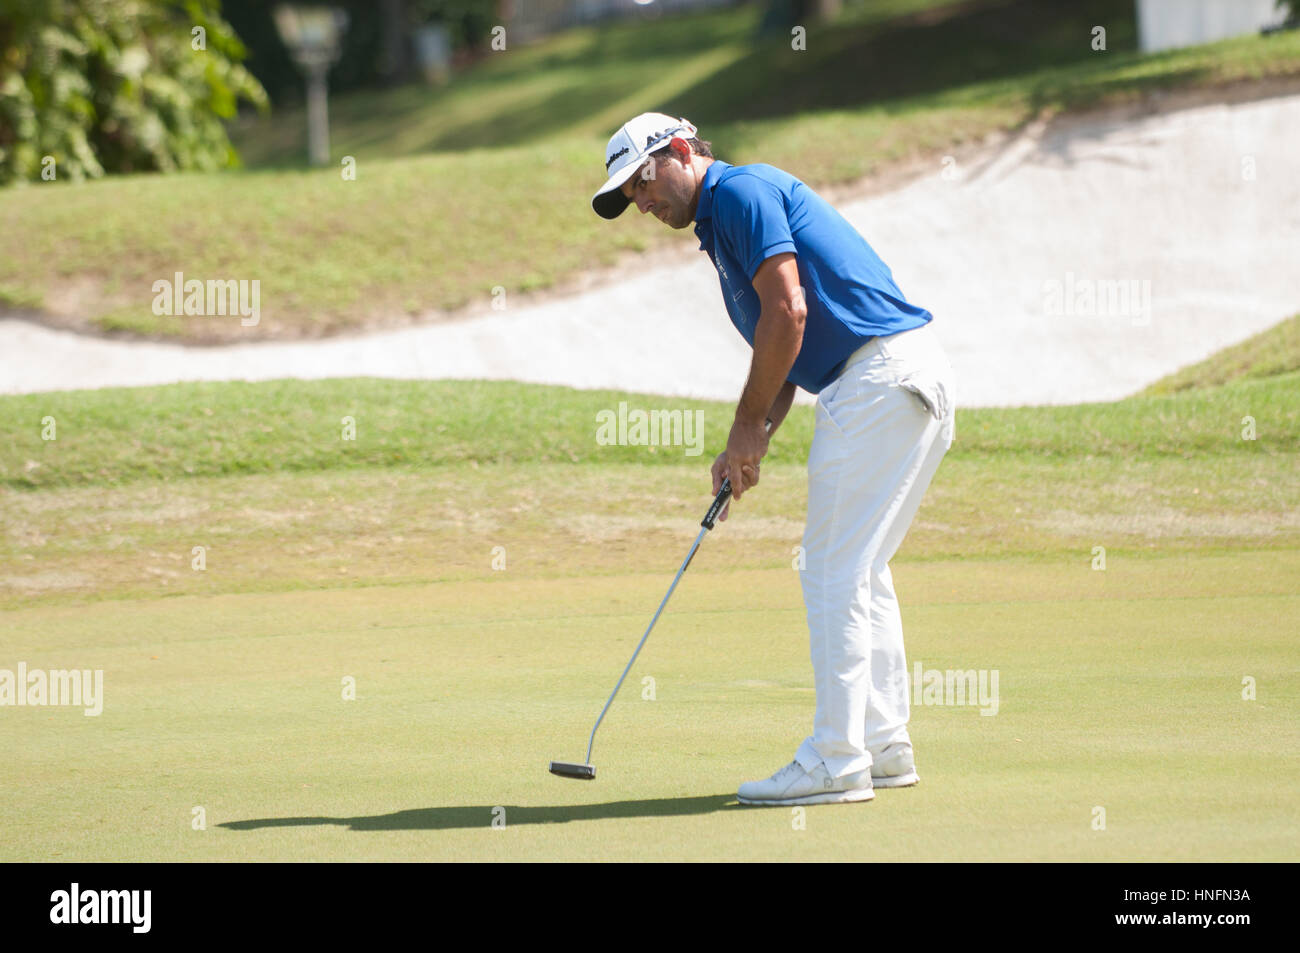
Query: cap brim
point(610, 201)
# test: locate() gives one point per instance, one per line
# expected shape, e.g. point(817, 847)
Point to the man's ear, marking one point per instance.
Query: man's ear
point(682, 148)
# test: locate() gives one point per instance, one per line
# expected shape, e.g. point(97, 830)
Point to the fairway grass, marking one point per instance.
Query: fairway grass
point(1119, 690)
point(179, 432)
point(441, 473)
point(267, 533)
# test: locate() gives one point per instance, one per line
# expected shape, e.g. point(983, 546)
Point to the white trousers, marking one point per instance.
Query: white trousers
point(882, 427)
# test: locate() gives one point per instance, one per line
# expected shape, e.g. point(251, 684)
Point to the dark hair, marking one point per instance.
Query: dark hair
point(698, 146)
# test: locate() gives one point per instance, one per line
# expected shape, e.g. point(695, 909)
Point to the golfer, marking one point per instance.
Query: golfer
point(822, 312)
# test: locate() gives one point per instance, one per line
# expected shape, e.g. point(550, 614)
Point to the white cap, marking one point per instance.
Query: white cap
point(626, 151)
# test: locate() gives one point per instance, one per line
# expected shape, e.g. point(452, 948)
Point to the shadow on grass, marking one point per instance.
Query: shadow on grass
point(453, 818)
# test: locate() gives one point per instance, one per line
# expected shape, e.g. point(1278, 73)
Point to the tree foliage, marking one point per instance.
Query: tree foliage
point(117, 86)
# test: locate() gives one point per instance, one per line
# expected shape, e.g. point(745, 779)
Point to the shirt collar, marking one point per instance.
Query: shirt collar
point(704, 207)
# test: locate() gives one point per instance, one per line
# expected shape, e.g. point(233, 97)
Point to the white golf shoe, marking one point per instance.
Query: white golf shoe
point(894, 767)
point(793, 785)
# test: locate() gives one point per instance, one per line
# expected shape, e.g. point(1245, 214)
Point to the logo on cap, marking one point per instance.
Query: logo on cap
point(610, 161)
point(651, 139)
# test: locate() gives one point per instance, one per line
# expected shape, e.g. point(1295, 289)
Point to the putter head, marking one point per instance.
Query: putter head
point(583, 772)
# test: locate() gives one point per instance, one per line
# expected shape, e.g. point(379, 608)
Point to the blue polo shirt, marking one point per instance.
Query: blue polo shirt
point(748, 213)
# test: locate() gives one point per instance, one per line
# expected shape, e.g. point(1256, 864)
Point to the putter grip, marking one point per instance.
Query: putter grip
point(724, 494)
point(719, 502)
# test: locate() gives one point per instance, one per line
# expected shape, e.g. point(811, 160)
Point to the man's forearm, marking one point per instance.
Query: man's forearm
point(777, 341)
point(781, 406)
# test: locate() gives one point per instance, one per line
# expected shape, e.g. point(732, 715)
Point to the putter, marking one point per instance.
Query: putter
point(587, 771)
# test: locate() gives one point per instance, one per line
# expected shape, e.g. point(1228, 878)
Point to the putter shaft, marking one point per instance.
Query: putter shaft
point(689, 556)
point(706, 524)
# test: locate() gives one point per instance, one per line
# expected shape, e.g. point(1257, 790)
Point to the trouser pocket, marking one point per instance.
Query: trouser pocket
point(931, 390)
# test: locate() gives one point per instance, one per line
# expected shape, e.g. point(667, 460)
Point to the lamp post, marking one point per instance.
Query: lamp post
point(314, 38)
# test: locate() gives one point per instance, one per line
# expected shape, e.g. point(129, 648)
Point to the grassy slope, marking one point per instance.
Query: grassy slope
point(485, 183)
point(440, 473)
point(1267, 354)
point(118, 435)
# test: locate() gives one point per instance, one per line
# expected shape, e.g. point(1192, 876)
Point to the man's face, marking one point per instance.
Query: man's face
point(665, 188)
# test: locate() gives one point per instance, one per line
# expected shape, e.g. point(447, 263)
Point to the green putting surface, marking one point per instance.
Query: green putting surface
point(1119, 690)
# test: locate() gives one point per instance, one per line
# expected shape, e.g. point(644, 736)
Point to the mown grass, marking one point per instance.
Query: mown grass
point(409, 526)
point(440, 473)
point(1113, 686)
point(480, 569)
point(120, 435)
point(486, 183)
point(1267, 354)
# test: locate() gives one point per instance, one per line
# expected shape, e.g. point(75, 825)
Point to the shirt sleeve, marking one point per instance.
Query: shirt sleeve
point(750, 215)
